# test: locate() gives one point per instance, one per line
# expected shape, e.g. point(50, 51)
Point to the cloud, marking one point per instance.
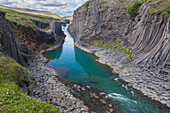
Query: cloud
point(54, 5)
point(60, 7)
point(7, 3)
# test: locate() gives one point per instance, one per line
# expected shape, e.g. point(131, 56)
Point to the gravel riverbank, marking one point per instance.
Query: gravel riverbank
point(48, 88)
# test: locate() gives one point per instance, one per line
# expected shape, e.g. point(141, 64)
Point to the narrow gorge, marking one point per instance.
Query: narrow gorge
point(112, 56)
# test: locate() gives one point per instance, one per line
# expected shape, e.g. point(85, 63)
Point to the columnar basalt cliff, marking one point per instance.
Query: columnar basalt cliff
point(149, 38)
point(8, 41)
point(103, 20)
point(147, 35)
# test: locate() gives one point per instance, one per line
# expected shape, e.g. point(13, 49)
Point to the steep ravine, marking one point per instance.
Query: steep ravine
point(147, 35)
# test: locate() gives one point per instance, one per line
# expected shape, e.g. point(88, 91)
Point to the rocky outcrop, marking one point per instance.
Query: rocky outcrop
point(67, 21)
point(8, 41)
point(146, 34)
point(33, 38)
point(40, 24)
point(59, 35)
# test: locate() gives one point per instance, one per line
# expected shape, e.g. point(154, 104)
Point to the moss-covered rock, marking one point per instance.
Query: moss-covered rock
point(132, 8)
point(87, 4)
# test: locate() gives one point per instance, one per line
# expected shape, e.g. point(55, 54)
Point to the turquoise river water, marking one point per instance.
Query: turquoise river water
point(79, 66)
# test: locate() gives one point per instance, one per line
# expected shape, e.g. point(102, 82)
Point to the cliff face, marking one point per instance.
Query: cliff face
point(102, 21)
point(146, 34)
point(8, 41)
point(149, 37)
point(56, 28)
point(33, 38)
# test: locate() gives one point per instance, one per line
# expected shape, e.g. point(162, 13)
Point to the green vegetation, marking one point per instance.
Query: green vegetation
point(25, 19)
point(98, 43)
point(161, 6)
point(68, 18)
point(47, 28)
point(167, 16)
point(133, 7)
point(87, 4)
point(157, 6)
point(118, 45)
point(12, 100)
point(14, 72)
point(46, 46)
point(35, 12)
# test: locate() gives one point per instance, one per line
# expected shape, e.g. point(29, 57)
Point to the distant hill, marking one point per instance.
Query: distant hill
point(68, 18)
point(31, 11)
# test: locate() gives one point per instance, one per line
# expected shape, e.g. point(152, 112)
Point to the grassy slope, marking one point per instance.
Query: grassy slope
point(26, 19)
point(68, 18)
point(30, 11)
point(13, 75)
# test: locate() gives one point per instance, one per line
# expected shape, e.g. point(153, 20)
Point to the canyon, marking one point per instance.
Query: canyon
point(136, 48)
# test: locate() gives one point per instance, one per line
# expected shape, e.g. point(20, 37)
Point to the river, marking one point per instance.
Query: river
point(79, 66)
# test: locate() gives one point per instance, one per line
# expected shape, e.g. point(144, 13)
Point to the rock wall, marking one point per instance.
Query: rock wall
point(33, 38)
point(149, 37)
point(147, 34)
point(104, 20)
point(56, 28)
point(8, 41)
point(41, 25)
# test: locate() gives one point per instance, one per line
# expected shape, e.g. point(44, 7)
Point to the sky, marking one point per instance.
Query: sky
point(60, 7)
